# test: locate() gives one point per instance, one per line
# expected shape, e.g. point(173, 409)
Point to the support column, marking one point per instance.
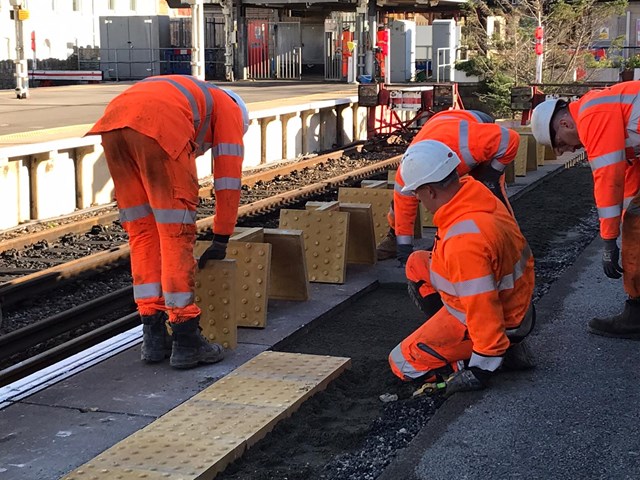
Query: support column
point(372, 38)
point(230, 37)
point(22, 69)
point(197, 38)
point(240, 61)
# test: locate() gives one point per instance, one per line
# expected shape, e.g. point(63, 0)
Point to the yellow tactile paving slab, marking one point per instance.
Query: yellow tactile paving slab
point(380, 200)
point(198, 439)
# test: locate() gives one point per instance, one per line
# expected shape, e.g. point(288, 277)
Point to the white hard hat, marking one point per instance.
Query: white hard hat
point(242, 105)
point(427, 161)
point(541, 121)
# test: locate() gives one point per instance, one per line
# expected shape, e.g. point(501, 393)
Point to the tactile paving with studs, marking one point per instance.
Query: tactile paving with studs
point(380, 200)
point(325, 242)
point(199, 438)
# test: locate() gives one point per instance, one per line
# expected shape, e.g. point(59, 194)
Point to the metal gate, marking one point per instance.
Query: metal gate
point(338, 37)
point(273, 50)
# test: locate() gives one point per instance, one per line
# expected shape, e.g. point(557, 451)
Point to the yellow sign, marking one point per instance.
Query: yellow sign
point(23, 14)
point(603, 33)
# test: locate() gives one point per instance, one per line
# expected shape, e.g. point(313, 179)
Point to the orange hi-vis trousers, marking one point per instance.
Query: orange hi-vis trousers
point(442, 340)
point(157, 197)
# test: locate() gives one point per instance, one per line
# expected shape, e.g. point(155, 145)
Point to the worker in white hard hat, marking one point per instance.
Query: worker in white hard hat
point(474, 287)
point(607, 123)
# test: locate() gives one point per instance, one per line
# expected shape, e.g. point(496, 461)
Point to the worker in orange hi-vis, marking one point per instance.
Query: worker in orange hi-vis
point(346, 39)
point(607, 123)
point(151, 135)
point(485, 148)
point(475, 285)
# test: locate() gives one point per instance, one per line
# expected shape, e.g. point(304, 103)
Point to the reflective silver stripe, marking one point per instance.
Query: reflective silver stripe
point(398, 189)
point(404, 240)
point(402, 364)
point(525, 326)
point(466, 288)
point(607, 159)
point(174, 216)
point(178, 299)
point(465, 226)
point(610, 212)
point(147, 290)
point(504, 142)
point(228, 149)
point(496, 165)
point(510, 279)
point(440, 283)
point(463, 142)
point(626, 202)
point(461, 316)
point(477, 117)
point(626, 99)
point(208, 111)
point(632, 123)
point(227, 183)
point(134, 213)
point(490, 364)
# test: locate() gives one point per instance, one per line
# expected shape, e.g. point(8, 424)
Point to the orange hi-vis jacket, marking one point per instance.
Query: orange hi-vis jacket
point(475, 143)
point(178, 110)
point(608, 123)
point(482, 267)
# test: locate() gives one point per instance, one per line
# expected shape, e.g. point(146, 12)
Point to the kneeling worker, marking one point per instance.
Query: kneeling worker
point(485, 148)
point(475, 287)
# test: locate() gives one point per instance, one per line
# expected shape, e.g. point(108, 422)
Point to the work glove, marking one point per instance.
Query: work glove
point(467, 380)
point(216, 251)
point(402, 253)
point(488, 174)
point(610, 259)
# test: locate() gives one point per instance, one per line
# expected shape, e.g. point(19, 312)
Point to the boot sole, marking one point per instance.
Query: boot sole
point(185, 366)
point(155, 357)
point(627, 336)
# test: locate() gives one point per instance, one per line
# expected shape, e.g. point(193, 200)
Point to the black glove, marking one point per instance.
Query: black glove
point(610, 257)
point(488, 174)
point(466, 380)
point(402, 253)
point(216, 251)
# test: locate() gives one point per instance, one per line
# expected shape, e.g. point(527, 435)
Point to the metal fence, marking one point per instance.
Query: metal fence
point(274, 50)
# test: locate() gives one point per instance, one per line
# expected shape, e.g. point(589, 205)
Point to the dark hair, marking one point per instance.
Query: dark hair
point(561, 105)
point(446, 181)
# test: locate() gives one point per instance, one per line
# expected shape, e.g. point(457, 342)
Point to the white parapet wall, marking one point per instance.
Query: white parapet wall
point(50, 179)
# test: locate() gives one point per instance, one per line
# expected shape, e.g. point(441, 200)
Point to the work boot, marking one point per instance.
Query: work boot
point(190, 347)
point(386, 249)
point(156, 341)
point(428, 305)
point(518, 357)
point(624, 325)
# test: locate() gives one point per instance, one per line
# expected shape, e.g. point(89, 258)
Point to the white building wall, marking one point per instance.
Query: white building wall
point(60, 25)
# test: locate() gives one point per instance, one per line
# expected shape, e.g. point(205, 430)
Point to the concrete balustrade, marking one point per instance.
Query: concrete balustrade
point(49, 179)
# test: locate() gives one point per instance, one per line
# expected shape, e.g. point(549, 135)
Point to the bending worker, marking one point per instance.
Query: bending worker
point(485, 148)
point(475, 286)
point(606, 122)
point(152, 134)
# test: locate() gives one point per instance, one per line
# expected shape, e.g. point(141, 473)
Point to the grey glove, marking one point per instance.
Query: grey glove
point(610, 259)
point(402, 253)
point(467, 380)
point(216, 251)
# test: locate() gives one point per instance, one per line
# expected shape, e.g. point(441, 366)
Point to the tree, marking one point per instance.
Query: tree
point(508, 58)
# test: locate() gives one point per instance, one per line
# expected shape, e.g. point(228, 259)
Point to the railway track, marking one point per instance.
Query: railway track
point(64, 323)
point(44, 273)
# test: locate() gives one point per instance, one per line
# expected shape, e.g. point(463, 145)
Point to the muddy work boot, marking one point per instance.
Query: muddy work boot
point(190, 347)
point(156, 341)
point(518, 357)
point(624, 325)
point(386, 249)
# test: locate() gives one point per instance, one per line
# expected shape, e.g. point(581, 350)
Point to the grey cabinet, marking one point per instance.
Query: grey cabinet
point(131, 48)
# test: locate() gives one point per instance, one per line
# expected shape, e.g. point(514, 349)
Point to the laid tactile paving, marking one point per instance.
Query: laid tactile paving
point(198, 439)
point(325, 242)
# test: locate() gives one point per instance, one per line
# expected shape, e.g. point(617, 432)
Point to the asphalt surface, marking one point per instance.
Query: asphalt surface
point(574, 417)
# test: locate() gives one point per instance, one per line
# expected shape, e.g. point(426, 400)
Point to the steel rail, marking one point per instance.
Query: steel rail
point(29, 336)
point(25, 287)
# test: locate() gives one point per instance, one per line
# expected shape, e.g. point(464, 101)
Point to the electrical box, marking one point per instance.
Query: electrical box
point(445, 43)
point(402, 51)
point(521, 98)
point(131, 48)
